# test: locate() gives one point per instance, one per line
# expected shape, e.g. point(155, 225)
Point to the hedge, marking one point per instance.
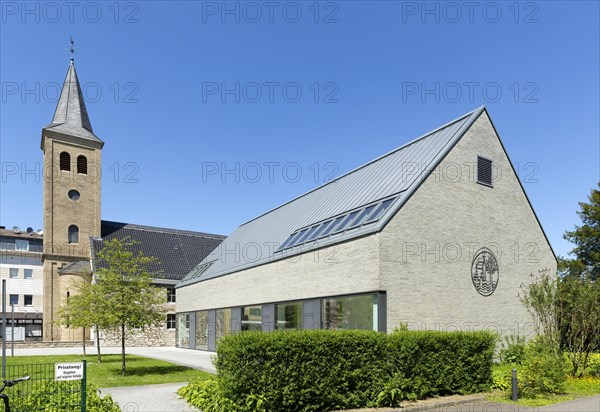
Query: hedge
point(320, 370)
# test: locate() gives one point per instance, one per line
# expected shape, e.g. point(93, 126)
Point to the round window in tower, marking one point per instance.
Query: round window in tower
point(73, 195)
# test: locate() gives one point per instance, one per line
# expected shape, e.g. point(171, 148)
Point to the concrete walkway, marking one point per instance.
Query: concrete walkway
point(149, 398)
point(186, 357)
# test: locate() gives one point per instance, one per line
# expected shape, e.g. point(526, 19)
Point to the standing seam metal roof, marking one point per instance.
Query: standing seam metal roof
point(392, 174)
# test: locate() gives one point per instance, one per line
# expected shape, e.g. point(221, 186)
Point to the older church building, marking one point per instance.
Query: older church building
point(438, 233)
point(73, 229)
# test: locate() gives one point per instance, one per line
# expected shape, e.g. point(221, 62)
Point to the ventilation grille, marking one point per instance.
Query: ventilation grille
point(484, 171)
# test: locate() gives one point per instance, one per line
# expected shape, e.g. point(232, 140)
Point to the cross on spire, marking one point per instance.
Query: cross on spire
point(72, 49)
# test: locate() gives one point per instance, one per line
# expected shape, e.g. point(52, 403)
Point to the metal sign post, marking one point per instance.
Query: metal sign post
point(3, 329)
point(12, 330)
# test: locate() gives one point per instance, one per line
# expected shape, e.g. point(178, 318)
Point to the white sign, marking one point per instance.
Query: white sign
point(72, 371)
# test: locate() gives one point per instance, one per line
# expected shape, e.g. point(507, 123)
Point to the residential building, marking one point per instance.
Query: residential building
point(21, 267)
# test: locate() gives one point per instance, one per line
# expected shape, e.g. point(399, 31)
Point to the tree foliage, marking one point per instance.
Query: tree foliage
point(566, 308)
point(126, 284)
point(120, 297)
point(587, 240)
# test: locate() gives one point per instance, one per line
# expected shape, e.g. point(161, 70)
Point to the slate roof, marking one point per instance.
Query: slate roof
point(77, 268)
point(71, 116)
point(389, 177)
point(178, 251)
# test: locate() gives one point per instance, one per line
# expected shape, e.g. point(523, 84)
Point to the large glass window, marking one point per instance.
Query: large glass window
point(28, 273)
point(350, 312)
point(252, 318)
point(13, 272)
point(183, 330)
point(223, 323)
point(289, 315)
point(21, 244)
point(202, 330)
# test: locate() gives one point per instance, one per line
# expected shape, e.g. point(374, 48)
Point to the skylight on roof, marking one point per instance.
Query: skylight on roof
point(342, 226)
point(361, 217)
point(330, 228)
point(287, 241)
point(198, 271)
point(318, 230)
point(339, 224)
point(377, 213)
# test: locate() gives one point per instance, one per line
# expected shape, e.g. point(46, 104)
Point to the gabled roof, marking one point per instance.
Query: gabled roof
point(71, 116)
point(178, 251)
point(393, 176)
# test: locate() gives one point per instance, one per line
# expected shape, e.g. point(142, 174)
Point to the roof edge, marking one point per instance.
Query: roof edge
point(479, 109)
point(161, 229)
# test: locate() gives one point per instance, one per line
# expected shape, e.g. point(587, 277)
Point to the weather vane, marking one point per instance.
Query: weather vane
point(72, 49)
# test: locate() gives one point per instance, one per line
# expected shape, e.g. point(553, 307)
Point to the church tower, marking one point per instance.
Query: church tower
point(72, 175)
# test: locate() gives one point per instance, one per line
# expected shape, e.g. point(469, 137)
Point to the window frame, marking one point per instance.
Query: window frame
point(10, 299)
point(21, 242)
point(171, 322)
point(11, 271)
point(25, 273)
point(171, 294)
point(70, 234)
point(25, 300)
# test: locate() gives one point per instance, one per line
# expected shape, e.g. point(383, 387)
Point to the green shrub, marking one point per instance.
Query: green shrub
point(541, 372)
point(593, 366)
point(502, 380)
point(205, 395)
point(320, 370)
point(513, 350)
point(53, 396)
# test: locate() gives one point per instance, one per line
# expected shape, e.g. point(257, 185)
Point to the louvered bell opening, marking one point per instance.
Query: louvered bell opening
point(65, 161)
point(82, 164)
point(484, 171)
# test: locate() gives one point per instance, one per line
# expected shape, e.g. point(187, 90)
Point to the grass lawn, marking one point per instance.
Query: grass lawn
point(140, 370)
point(575, 388)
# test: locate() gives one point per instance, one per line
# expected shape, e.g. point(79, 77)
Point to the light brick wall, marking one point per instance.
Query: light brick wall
point(451, 213)
point(351, 267)
point(59, 213)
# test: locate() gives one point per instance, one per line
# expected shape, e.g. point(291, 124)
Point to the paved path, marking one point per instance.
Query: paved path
point(187, 357)
point(149, 398)
point(590, 404)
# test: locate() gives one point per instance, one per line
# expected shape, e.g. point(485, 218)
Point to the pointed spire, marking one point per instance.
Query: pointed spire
point(71, 110)
point(71, 116)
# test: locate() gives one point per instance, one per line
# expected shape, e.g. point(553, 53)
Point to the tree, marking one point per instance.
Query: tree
point(541, 300)
point(587, 240)
point(125, 283)
point(566, 308)
point(78, 310)
point(86, 308)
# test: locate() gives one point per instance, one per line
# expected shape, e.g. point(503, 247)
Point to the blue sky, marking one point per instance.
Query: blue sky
point(214, 113)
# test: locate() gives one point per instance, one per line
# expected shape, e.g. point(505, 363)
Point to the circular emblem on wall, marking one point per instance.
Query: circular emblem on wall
point(484, 272)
